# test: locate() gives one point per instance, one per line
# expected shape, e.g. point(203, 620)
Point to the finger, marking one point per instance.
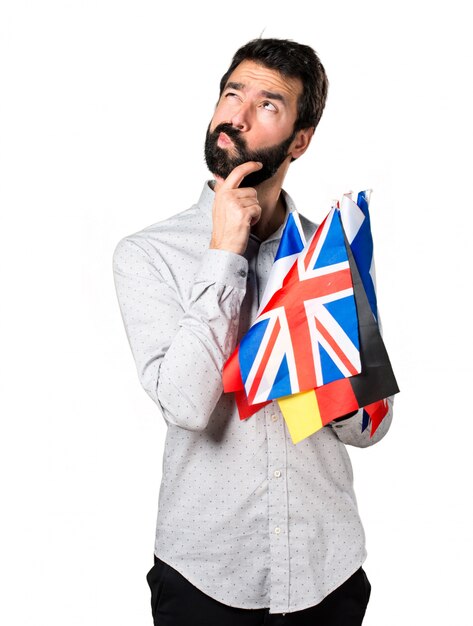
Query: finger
point(247, 202)
point(235, 177)
point(245, 192)
point(255, 215)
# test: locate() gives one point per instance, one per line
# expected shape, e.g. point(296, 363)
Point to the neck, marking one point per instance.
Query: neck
point(273, 209)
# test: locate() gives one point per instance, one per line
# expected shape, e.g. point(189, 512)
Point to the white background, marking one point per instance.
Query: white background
point(103, 112)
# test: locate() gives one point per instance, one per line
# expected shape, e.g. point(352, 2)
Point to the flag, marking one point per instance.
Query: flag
point(357, 227)
point(315, 344)
point(290, 246)
point(307, 333)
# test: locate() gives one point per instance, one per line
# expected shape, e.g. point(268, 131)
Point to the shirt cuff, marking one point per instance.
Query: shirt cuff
point(345, 420)
point(345, 417)
point(223, 266)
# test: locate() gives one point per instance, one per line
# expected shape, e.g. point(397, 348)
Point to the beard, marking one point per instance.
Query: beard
point(221, 162)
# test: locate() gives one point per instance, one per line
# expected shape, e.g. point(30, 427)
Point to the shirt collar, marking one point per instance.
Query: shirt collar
point(207, 198)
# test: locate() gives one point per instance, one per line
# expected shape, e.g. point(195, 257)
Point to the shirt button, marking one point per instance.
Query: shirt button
point(277, 473)
point(277, 530)
point(242, 272)
point(274, 417)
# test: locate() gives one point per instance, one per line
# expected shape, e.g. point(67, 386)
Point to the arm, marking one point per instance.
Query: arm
point(179, 354)
point(348, 429)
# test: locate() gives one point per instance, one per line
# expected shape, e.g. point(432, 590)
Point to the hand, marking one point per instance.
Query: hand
point(234, 210)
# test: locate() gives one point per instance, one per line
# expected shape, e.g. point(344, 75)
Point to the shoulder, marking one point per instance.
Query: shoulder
point(176, 242)
point(176, 231)
point(308, 226)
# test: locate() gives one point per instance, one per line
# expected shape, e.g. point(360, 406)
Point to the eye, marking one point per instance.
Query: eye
point(269, 106)
point(230, 93)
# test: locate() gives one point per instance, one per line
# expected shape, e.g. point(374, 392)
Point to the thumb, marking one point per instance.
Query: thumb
point(235, 177)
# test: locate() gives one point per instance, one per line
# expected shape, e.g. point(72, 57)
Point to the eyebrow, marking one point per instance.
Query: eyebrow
point(271, 95)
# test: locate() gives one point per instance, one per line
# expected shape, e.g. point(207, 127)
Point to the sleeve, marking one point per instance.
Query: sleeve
point(348, 428)
point(180, 352)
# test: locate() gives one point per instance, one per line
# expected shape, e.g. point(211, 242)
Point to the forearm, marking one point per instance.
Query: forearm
point(349, 430)
point(189, 384)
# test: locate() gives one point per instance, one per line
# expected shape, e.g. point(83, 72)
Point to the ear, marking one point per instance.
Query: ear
point(301, 142)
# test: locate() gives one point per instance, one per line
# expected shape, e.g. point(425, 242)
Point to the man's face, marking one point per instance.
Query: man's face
point(253, 121)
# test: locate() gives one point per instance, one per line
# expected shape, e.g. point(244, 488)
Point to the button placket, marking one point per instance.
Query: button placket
point(278, 509)
point(278, 503)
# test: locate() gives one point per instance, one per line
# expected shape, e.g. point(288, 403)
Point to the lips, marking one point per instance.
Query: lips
point(224, 140)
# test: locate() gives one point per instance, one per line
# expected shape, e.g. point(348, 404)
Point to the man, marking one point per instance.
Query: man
point(251, 528)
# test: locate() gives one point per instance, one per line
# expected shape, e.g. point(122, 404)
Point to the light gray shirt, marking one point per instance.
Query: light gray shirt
point(250, 518)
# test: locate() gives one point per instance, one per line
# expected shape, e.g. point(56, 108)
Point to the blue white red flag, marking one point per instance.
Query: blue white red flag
point(306, 333)
point(356, 224)
point(292, 243)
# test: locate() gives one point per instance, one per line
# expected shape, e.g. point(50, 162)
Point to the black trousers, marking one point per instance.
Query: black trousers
point(177, 602)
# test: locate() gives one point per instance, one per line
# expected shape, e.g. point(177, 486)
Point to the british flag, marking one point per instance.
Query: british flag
point(306, 335)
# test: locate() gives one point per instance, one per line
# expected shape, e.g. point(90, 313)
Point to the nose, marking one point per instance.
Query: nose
point(241, 118)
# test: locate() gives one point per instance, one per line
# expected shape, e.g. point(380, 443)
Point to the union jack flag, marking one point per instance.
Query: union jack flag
point(306, 335)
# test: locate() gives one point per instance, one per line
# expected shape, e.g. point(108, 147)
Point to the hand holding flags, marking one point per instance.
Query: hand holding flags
point(315, 345)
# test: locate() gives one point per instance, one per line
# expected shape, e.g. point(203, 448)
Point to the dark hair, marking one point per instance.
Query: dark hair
point(293, 60)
